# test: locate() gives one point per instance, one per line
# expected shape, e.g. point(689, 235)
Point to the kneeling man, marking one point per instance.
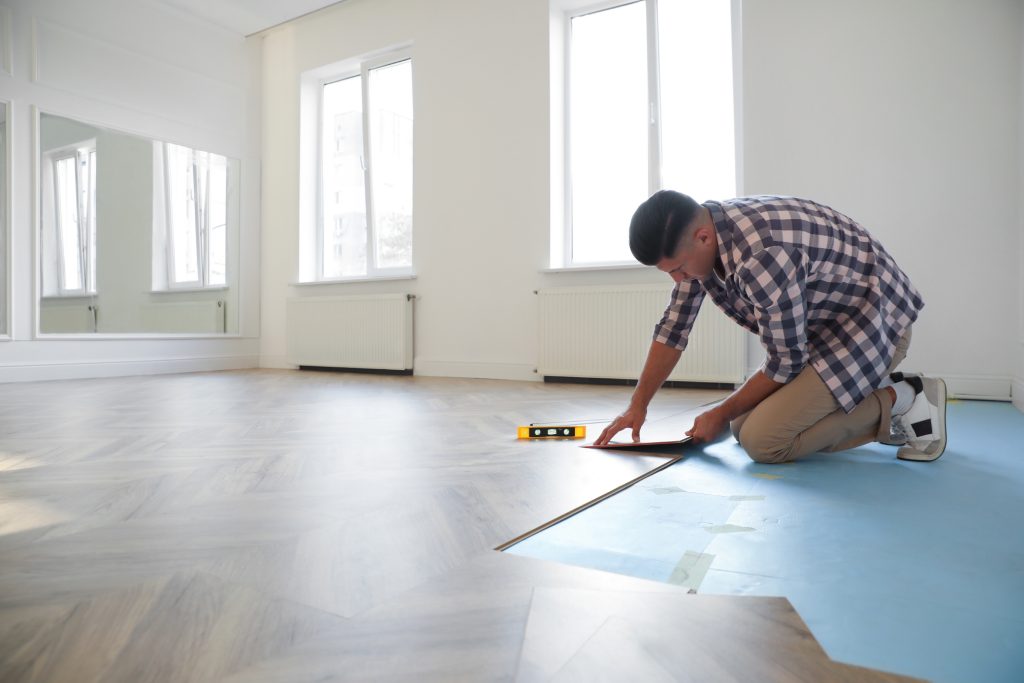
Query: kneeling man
point(831, 307)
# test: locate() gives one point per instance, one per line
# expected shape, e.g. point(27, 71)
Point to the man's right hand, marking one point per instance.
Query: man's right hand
point(632, 418)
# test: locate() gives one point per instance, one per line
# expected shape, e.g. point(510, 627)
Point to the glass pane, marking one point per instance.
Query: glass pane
point(344, 194)
point(218, 210)
point(90, 214)
point(67, 222)
point(698, 135)
point(608, 123)
point(391, 119)
point(182, 215)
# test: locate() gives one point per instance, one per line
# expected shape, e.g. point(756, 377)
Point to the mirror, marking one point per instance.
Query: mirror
point(135, 235)
point(3, 218)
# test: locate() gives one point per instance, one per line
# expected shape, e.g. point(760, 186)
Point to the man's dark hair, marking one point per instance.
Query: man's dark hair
point(658, 224)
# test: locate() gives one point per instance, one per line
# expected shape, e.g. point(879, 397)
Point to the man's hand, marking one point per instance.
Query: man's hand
point(633, 417)
point(708, 425)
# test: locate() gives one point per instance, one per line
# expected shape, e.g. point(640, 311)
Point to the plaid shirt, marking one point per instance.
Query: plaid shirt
point(812, 284)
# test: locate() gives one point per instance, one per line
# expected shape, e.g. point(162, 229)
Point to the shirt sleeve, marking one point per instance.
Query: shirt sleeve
point(774, 280)
point(674, 328)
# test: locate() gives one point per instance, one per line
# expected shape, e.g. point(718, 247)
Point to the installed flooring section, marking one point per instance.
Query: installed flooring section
point(315, 526)
point(910, 567)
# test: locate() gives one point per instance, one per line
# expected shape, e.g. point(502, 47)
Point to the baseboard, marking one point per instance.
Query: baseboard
point(1018, 393)
point(983, 387)
point(277, 363)
point(512, 371)
point(35, 372)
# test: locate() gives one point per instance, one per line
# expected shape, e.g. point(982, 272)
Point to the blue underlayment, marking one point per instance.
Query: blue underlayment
point(913, 568)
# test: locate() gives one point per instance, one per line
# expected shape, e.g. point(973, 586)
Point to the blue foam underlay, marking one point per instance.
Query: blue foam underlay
point(913, 568)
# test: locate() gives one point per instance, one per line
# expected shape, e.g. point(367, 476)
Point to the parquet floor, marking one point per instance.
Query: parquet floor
point(301, 526)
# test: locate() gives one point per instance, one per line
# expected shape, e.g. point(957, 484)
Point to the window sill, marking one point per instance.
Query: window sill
point(190, 290)
point(69, 297)
point(610, 266)
point(349, 280)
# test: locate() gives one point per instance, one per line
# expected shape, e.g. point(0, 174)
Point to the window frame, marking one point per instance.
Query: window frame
point(562, 254)
point(203, 234)
point(86, 223)
point(362, 71)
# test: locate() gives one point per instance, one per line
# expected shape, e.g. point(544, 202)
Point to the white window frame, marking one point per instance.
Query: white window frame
point(561, 257)
point(86, 219)
point(203, 230)
point(363, 72)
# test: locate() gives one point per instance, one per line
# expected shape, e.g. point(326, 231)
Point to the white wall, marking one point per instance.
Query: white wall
point(904, 115)
point(1018, 383)
point(143, 68)
point(482, 177)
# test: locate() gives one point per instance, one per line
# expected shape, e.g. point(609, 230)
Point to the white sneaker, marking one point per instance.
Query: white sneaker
point(924, 425)
point(898, 435)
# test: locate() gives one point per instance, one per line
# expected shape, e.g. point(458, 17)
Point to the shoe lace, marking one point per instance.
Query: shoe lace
point(899, 429)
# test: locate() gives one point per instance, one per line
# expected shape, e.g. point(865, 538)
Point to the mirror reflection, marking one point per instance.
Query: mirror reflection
point(136, 235)
point(3, 218)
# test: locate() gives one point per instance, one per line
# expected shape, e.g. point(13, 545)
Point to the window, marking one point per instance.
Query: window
point(195, 200)
point(365, 164)
point(71, 244)
point(649, 105)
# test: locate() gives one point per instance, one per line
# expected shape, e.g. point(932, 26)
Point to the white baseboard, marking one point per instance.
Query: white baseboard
point(35, 372)
point(1018, 393)
point(277, 363)
point(512, 371)
point(984, 387)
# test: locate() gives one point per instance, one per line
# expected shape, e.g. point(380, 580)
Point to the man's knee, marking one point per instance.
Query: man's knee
point(762, 446)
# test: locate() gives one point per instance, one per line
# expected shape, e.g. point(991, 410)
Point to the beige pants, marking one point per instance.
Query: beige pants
point(803, 417)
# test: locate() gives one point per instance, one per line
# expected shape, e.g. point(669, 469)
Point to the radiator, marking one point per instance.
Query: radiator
point(605, 332)
point(184, 317)
point(366, 332)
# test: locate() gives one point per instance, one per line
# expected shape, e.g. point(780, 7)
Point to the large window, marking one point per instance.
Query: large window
point(364, 217)
point(649, 105)
point(195, 198)
point(72, 242)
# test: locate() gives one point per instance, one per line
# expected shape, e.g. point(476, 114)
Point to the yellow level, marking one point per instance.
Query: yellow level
point(553, 432)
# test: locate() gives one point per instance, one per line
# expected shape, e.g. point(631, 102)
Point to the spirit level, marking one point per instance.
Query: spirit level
point(553, 432)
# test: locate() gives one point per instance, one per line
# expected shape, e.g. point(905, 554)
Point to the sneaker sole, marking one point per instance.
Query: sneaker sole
point(908, 453)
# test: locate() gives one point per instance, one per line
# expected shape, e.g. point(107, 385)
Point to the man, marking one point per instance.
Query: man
point(832, 310)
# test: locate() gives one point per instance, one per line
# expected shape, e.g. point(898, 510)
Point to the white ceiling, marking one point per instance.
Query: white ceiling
point(246, 17)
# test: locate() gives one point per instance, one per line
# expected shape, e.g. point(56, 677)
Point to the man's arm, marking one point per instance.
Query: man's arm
point(661, 358)
point(709, 425)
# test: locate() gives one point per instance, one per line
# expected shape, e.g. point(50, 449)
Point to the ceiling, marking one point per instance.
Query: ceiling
point(246, 17)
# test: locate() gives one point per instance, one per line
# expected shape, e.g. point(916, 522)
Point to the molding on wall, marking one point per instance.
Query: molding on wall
point(985, 387)
point(1018, 393)
point(277, 362)
point(7, 40)
point(519, 372)
point(29, 372)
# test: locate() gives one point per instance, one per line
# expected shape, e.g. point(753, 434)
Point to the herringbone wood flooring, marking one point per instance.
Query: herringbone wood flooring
point(302, 526)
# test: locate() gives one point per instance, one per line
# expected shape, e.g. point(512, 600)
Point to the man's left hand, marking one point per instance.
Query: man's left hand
point(708, 426)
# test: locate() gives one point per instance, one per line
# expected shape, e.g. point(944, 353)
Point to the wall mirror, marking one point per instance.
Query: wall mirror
point(4, 227)
point(136, 236)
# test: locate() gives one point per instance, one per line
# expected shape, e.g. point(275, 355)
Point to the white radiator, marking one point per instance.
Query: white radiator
point(184, 317)
point(605, 332)
point(366, 332)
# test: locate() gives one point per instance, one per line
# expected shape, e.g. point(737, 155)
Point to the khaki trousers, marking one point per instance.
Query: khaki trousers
point(803, 417)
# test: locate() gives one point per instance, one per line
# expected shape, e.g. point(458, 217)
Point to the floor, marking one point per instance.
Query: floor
point(287, 526)
point(914, 568)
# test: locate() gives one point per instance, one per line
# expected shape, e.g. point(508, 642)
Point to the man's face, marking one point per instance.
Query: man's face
point(694, 258)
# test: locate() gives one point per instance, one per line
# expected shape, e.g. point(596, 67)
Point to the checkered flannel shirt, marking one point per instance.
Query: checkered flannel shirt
point(812, 284)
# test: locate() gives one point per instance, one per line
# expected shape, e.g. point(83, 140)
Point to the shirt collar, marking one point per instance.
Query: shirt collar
point(726, 238)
